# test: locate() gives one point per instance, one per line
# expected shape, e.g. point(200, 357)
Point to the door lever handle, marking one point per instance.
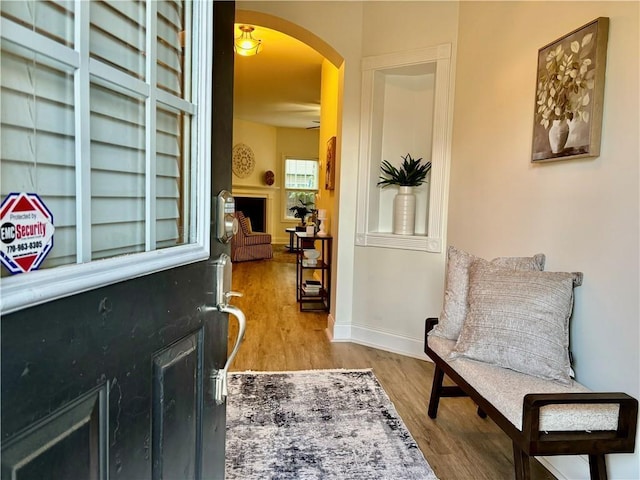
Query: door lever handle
point(219, 377)
point(221, 298)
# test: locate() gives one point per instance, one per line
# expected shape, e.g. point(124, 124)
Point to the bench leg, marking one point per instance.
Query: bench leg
point(597, 467)
point(521, 463)
point(436, 389)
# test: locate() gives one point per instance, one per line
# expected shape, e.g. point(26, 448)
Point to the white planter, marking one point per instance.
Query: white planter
point(404, 212)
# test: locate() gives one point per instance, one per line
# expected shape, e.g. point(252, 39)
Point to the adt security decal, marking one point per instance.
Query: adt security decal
point(26, 232)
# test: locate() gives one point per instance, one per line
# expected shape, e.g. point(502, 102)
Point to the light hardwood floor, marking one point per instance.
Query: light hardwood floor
point(457, 445)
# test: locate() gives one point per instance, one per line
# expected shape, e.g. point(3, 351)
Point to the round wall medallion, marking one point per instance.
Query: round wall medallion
point(243, 160)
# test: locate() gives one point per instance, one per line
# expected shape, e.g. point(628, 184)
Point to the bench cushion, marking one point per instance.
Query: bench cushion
point(505, 389)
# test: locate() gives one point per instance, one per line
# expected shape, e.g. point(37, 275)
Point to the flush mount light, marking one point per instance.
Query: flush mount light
point(245, 44)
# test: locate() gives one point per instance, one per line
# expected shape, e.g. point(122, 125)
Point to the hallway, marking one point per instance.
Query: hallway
point(458, 445)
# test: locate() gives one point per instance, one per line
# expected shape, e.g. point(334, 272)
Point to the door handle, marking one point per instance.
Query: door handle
point(219, 377)
point(223, 295)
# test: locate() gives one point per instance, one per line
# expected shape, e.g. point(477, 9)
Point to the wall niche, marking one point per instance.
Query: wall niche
point(405, 109)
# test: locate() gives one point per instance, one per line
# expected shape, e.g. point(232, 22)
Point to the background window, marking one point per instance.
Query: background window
point(300, 183)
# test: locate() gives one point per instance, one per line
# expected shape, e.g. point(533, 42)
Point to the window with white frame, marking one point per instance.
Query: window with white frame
point(301, 185)
point(104, 116)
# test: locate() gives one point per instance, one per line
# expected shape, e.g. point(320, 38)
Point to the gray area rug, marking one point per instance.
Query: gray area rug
point(320, 424)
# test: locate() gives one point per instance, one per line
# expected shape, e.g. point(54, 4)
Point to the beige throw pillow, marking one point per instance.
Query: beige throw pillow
point(454, 309)
point(519, 320)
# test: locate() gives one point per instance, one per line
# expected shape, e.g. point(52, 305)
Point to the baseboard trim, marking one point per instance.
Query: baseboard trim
point(330, 327)
point(379, 339)
point(567, 467)
point(339, 332)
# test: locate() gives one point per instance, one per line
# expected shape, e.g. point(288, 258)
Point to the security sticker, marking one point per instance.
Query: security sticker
point(26, 232)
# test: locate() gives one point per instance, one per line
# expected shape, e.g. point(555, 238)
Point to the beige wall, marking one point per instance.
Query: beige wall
point(262, 140)
point(395, 26)
point(583, 214)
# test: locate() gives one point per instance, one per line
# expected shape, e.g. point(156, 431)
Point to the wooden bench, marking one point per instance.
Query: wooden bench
point(542, 417)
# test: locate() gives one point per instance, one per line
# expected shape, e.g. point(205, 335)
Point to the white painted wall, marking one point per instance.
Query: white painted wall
point(407, 128)
point(583, 214)
point(395, 290)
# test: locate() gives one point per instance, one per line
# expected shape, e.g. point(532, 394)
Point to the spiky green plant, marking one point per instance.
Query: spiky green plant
point(301, 211)
point(411, 173)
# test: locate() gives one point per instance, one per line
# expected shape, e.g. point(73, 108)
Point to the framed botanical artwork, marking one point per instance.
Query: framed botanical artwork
point(330, 172)
point(570, 94)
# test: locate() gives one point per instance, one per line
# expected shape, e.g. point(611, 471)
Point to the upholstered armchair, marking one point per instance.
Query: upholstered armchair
point(248, 245)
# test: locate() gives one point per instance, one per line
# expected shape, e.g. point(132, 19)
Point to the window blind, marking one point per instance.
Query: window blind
point(37, 142)
point(117, 35)
point(54, 20)
point(38, 121)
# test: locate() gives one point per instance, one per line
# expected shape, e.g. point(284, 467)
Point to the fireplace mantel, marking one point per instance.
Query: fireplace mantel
point(254, 191)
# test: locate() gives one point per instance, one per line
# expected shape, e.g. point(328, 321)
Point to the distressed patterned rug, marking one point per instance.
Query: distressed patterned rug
point(320, 424)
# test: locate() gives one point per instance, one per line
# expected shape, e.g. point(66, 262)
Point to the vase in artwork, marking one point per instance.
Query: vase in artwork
point(558, 134)
point(404, 212)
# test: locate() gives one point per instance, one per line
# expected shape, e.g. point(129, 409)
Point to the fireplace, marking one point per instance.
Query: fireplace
point(255, 209)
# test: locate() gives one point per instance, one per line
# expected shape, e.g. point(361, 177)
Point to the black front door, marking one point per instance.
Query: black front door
point(115, 382)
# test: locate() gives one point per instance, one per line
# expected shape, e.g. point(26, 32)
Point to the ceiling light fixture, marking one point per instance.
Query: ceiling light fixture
point(245, 44)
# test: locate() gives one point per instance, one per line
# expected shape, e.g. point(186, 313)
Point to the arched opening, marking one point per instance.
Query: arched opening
point(326, 124)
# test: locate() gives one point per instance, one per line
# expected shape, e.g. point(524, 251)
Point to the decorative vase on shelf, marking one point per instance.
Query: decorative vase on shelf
point(404, 212)
point(558, 134)
point(412, 173)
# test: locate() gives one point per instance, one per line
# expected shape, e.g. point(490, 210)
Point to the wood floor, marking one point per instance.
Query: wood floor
point(457, 445)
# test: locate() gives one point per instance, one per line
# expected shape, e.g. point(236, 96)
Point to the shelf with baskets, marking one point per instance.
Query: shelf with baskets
point(313, 275)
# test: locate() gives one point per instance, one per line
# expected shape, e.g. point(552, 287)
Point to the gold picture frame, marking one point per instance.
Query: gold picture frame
point(330, 171)
point(570, 94)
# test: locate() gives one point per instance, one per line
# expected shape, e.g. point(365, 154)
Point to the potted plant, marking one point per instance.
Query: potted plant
point(412, 173)
point(563, 91)
point(301, 211)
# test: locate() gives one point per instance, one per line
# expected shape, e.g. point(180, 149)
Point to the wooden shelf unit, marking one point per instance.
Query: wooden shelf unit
point(321, 271)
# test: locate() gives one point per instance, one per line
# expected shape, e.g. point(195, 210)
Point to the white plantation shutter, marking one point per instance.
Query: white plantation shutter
point(136, 156)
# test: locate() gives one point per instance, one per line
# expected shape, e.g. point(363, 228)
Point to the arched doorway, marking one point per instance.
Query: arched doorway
point(329, 128)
